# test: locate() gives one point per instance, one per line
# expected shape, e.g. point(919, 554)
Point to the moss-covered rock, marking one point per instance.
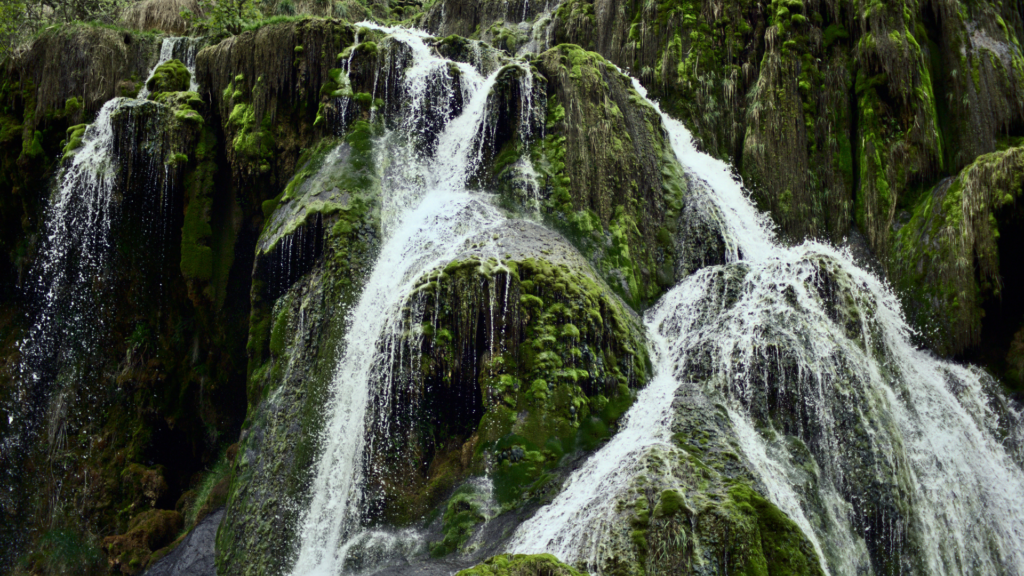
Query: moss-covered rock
point(523, 360)
point(946, 257)
point(694, 504)
point(81, 61)
point(521, 565)
point(608, 178)
point(267, 94)
point(130, 553)
point(462, 513)
point(171, 76)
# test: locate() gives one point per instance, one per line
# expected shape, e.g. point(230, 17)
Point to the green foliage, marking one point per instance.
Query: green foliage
point(139, 337)
point(462, 514)
point(222, 18)
point(21, 20)
point(521, 565)
point(13, 26)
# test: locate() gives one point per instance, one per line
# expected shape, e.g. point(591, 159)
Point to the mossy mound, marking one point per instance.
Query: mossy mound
point(130, 553)
point(521, 565)
point(74, 140)
point(523, 360)
point(171, 76)
point(462, 513)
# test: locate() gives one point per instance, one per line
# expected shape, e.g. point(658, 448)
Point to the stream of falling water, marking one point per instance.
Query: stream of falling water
point(73, 261)
point(933, 427)
point(427, 216)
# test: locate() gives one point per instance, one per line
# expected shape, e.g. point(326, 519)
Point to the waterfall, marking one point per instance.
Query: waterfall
point(427, 218)
point(916, 460)
point(182, 48)
point(72, 269)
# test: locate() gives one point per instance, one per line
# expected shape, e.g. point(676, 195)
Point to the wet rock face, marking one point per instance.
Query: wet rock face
point(195, 555)
point(950, 261)
point(835, 115)
point(599, 139)
point(518, 361)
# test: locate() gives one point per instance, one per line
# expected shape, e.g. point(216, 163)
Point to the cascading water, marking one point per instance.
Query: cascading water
point(72, 268)
point(916, 461)
point(182, 48)
point(427, 217)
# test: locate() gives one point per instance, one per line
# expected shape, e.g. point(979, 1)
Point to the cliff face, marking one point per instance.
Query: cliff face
point(177, 301)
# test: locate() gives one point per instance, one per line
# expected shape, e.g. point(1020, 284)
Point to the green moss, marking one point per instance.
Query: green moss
point(253, 142)
point(605, 188)
point(66, 551)
point(210, 492)
point(670, 504)
point(196, 254)
point(783, 547)
point(74, 139)
point(946, 256)
point(177, 159)
point(462, 513)
point(521, 565)
point(72, 106)
point(560, 386)
point(279, 333)
point(171, 76)
point(32, 148)
point(268, 207)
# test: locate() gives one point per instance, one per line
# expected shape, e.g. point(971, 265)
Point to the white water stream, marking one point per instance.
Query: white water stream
point(929, 428)
point(427, 217)
point(930, 423)
point(82, 209)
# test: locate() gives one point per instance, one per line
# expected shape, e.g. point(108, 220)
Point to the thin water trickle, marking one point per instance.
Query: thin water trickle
point(72, 267)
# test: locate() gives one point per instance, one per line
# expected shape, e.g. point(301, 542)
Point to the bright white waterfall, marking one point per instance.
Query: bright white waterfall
point(182, 48)
point(70, 274)
point(83, 207)
point(916, 459)
point(427, 216)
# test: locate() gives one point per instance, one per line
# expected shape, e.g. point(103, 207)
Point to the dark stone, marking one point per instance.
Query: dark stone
point(195, 555)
